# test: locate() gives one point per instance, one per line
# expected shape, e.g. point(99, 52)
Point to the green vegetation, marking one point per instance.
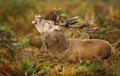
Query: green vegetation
point(22, 51)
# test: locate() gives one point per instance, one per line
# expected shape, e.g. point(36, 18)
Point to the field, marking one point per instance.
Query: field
point(22, 52)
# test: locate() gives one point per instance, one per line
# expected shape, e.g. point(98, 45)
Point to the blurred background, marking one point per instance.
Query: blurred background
point(22, 52)
point(17, 15)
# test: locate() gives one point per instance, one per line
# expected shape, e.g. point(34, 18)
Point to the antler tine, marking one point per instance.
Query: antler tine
point(74, 22)
point(83, 25)
point(70, 21)
point(59, 18)
point(86, 24)
point(55, 14)
point(52, 14)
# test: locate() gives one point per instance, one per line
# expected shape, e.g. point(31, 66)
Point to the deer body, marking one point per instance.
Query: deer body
point(75, 49)
point(69, 49)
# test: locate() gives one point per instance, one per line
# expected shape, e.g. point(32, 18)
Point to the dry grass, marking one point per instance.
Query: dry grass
point(22, 54)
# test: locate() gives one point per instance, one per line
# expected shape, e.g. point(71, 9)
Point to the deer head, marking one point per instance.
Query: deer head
point(45, 26)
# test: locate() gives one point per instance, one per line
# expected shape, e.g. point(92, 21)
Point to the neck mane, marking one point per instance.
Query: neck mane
point(56, 42)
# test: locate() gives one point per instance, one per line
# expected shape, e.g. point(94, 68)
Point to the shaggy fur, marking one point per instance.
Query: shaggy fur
point(75, 49)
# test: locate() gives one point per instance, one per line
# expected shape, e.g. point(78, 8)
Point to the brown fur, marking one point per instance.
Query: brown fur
point(75, 49)
point(70, 49)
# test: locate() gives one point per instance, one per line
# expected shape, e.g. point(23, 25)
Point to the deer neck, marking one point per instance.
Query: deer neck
point(55, 42)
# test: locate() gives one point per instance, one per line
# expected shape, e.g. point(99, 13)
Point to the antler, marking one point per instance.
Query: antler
point(68, 22)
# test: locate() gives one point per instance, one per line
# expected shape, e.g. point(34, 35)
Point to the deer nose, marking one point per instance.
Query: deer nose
point(34, 22)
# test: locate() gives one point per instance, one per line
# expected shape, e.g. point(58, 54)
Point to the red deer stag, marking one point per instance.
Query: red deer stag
point(69, 49)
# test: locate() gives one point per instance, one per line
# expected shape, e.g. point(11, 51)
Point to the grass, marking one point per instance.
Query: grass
point(22, 52)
